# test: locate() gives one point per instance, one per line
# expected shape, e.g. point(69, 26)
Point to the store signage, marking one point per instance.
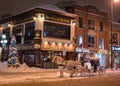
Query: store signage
point(116, 48)
point(100, 51)
point(79, 49)
point(22, 19)
point(24, 47)
point(82, 50)
point(57, 19)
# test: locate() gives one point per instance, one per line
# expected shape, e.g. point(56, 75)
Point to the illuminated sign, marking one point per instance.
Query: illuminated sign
point(116, 48)
point(36, 46)
point(57, 19)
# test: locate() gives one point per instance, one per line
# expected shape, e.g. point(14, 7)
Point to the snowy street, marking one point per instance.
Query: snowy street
point(25, 74)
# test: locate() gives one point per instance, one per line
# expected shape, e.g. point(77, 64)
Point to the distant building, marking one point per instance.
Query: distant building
point(92, 32)
point(116, 41)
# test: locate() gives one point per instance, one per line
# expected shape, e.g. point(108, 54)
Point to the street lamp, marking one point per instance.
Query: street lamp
point(3, 42)
point(111, 18)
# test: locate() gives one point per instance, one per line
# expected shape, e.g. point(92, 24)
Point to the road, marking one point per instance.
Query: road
point(51, 78)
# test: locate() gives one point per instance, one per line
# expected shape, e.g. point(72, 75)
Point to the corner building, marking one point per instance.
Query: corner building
point(41, 33)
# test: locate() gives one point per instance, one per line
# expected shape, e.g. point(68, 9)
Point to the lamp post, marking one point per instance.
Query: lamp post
point(3, 42)
point(111, 26)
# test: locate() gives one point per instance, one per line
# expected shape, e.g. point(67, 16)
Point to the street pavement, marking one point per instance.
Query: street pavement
point(46, 75)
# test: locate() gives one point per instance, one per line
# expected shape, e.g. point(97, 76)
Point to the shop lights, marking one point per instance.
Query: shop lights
point(46, 42)
point(70, 44)
point(9, 24)
point(53, 43)
point(73, 23)
point(65, 44)
point(42, 17)
point(34, 17)
point(59, 43)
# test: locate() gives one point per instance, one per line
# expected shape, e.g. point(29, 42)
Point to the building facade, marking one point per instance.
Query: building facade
point(41, 33)
point(92, 32)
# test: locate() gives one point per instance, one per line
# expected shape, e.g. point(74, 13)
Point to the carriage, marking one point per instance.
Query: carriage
point(75, 68)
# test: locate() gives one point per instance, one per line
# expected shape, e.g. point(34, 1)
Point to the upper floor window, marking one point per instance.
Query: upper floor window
point(91, 24)
point(80, 22)
point(18, 32)
point(29, 32)
point(91, 41)
point(101, 26)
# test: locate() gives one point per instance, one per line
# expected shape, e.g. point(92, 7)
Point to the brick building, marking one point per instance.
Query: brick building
point(92, 32)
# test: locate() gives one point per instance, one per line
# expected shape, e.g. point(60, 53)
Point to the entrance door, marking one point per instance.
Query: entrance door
point(102, 60)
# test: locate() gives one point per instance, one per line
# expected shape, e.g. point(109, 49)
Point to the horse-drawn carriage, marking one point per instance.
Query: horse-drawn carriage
point(75, 68)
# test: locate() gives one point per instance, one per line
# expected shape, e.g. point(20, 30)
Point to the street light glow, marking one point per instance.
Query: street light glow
point(5, 41)
point(1, 41)
point(3, 36)
point(116, 1)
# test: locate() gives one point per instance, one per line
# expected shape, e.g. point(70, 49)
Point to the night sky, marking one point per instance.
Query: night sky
point(16, 6)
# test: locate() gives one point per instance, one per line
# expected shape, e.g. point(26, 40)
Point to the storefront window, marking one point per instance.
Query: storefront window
point(29, 32)
point(56, 30)
point(18, 32)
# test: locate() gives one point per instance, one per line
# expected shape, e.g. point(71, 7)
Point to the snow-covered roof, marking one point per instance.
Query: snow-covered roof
point(56, 9)
point(50, 7)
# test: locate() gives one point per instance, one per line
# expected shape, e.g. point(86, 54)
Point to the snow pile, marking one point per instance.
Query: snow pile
point(22, 68)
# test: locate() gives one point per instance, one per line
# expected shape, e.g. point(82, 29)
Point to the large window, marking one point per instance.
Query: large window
point(91, 41)
point(29, 32)
point(18, 32)
point(91, 24)
point(56, 30)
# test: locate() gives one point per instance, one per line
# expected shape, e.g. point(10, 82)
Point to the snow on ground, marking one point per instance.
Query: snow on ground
point(23, 68)
point(37, 74)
